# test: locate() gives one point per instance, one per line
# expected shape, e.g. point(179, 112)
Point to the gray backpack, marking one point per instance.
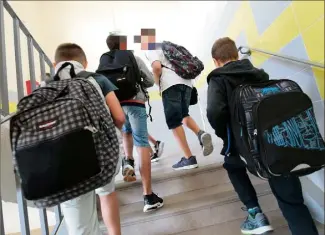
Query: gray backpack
point(63, 140)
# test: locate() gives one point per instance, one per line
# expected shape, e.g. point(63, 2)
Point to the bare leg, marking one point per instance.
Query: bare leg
point(151, 151)
point(180, 136)
point(145, 169)
point(128, 145)
point(111, 213)
point(152, 140)
point(204, 138)
point(191, 124)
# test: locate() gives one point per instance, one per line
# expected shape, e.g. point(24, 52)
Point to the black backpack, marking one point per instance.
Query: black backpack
point(64, 127)
point(121, 68)
point(184, 63)
point(275, 130)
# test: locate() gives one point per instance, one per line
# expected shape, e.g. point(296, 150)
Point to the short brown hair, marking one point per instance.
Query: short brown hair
point(224, 49)
point(70, 51)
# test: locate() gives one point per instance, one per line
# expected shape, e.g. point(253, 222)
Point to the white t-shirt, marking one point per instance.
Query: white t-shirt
point(168, 77)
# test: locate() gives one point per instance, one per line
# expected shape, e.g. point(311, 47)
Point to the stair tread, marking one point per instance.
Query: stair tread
point(186, 202)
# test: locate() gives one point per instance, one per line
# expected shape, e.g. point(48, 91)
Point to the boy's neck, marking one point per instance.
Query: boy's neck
point(227, 62)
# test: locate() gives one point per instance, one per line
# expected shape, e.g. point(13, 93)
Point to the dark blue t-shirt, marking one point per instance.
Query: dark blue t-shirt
point(105, 85)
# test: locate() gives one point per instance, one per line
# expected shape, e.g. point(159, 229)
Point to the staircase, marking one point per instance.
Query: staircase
point(197, 202)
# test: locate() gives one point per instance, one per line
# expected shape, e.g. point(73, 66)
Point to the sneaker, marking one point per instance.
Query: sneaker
point(159, 148)
point(128, 170)
point(256, 223)
point(152, 202)
point(154, 157)
point(206, 143)
point(186, 164)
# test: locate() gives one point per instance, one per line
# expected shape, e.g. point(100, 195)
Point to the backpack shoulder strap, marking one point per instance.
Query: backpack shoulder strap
point(85, 74)
point(135, 64)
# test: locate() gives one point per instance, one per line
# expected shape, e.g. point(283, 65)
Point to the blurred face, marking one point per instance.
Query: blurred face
point(147, 39)
point(123, 42)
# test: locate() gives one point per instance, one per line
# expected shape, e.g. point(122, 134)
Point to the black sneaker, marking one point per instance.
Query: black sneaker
point(159, 148)
point(154, 157)
point(128, 170)
point(152, 202)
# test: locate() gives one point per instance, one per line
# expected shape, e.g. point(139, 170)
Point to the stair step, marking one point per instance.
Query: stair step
point(191, 218)
point(191, 210)
point(233, 227)
point(177, 182)
point(163, 170)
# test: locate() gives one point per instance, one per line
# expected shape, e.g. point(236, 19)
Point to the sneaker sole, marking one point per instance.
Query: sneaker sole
point(128, 175)
point(149, 208)
point(186, 167)
point(161, 149)
point(258, 231)
point(207, 144)
point(155, 160)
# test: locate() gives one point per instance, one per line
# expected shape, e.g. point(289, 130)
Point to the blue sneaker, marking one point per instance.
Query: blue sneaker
point(256, 223)
point(186, 164)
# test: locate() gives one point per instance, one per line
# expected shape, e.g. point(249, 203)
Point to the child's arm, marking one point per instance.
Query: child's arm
point(155, 58)
point(148, 80)
point(217, 108)
point(111, 100)
point(116, 109)
point(157, 70)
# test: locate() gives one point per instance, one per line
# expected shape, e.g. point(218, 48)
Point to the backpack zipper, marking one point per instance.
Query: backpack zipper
point(257, 132)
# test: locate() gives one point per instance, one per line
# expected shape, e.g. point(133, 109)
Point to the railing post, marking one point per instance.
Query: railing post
point(42, 64)
point(3, 66)
point(23, 212)
point(52, 71)
point(58, 213)
point(31, 62)
point(44, 222)
point(19, 69)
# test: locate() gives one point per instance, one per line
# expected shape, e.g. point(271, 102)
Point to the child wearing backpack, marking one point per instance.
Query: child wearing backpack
point(231, 72)
point(176, 91)
point(80, 214)
point(127, 71)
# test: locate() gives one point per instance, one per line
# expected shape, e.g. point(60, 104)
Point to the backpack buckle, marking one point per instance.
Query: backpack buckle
point(91, 129)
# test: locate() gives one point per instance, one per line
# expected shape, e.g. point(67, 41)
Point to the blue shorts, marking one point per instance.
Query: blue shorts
point(176, 101)
point(136, 124)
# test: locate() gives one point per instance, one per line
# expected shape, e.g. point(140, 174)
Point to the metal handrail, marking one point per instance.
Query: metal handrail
point(18, 26)
point(249, 51)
